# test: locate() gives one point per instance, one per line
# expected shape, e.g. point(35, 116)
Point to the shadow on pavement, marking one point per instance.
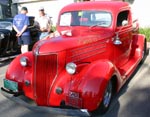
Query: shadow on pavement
point(11, 109)
point(136, 100)
point(6, 62)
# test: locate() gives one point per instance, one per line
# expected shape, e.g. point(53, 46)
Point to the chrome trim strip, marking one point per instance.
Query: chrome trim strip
point(89, 46)
point(102, 47)
point(89, 56)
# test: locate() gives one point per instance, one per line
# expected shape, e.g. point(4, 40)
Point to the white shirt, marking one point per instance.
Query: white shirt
point(44, 22)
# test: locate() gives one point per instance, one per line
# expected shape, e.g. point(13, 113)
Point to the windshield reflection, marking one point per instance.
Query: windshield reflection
point(86, 18)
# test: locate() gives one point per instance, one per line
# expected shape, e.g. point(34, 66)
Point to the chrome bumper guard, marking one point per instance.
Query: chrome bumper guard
point(52, 110)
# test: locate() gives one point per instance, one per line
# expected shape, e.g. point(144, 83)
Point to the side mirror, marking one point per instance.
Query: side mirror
point(117, 40)
point(125, 23)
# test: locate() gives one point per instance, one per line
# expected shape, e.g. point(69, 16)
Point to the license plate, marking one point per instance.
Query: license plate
point(74, 102)
point(11, 85)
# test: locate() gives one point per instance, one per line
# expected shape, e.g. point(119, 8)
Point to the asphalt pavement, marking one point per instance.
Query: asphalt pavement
point(133, 100)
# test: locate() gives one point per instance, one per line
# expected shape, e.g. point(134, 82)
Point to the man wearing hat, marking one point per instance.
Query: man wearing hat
point(43, 23)
point(20, 25)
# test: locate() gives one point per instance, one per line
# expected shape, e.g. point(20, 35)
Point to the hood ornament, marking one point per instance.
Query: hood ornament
point(67, 33)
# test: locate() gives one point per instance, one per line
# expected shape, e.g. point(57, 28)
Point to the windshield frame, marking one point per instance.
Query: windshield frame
point(80, 23)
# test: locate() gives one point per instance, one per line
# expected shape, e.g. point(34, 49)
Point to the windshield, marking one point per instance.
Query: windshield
point(86, 18)
point(5, 25)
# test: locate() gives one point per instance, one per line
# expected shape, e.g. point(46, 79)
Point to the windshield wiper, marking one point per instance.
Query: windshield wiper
point(98, 24)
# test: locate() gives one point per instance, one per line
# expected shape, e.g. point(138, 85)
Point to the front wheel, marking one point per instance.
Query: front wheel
point(106, 99)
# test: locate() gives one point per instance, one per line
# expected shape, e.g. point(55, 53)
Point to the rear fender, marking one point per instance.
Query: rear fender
point(138, 45)
point(92, 82)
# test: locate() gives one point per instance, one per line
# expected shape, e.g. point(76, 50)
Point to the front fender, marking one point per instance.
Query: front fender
point(20, 74)
point(92, 82)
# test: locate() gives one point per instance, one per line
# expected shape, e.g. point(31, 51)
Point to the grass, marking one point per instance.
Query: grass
point(146, 32)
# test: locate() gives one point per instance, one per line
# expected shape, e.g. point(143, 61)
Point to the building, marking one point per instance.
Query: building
point(52, 8)
point(141, 10)
point(5, 9)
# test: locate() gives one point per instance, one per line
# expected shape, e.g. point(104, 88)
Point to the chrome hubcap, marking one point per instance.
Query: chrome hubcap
point(143, 53)
point(107, 96)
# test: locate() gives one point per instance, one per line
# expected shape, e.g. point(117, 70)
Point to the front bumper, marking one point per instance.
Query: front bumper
point(52, 110)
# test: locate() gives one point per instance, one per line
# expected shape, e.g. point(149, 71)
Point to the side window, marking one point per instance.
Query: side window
point(123, 16)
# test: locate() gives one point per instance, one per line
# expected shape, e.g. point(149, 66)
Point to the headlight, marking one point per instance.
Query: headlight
point(2, 36)
point(24, 61)
point(71, 68)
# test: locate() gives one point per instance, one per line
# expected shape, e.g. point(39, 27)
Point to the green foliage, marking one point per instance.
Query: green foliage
point(53, 28)
point(146, 32)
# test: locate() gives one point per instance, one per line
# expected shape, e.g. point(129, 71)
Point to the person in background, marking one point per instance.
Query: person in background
point(20, 25)
point(43, 24)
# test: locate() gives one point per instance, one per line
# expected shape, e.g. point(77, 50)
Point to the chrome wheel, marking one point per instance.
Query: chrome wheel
point(107, 95)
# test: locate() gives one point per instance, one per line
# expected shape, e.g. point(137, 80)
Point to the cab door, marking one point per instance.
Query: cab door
point(124, 33)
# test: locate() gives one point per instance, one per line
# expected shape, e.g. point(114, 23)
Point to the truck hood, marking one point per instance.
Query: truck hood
point(65, 42)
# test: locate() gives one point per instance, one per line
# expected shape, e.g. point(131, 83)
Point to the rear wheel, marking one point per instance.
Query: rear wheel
point(106, 99)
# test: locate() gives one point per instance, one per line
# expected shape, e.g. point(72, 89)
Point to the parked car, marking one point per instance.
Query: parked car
point(8, 41)
point(96, 53)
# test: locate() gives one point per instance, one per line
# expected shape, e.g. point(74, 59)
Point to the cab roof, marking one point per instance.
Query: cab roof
point(112, 6)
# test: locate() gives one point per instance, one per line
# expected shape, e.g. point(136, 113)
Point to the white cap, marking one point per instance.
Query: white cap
point(41, 9)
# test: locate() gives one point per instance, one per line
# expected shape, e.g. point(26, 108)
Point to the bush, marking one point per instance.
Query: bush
point(146, 32)
point(53, 29)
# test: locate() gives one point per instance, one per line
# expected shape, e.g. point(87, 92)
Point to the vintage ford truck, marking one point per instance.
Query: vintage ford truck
point(79, 71)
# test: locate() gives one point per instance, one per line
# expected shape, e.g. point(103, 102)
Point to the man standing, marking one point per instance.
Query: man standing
point(43, 23)
point(20, 25)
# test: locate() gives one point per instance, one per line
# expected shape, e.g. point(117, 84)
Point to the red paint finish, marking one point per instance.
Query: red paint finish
point(45, 73)
point(91, 48)
point(92, 81)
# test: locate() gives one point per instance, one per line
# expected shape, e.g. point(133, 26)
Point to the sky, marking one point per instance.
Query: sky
point(141, 10)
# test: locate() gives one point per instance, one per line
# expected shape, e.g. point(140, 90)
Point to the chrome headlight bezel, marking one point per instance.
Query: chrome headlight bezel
point(2, 35)
point(24, 61)
point(71, 68)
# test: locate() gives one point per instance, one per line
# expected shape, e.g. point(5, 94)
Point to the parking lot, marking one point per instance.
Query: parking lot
point(131, 101)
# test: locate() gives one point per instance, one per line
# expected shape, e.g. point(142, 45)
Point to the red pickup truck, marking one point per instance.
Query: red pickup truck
point(78, 72)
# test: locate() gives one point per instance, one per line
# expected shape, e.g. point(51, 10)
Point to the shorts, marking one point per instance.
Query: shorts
point(24, 40)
